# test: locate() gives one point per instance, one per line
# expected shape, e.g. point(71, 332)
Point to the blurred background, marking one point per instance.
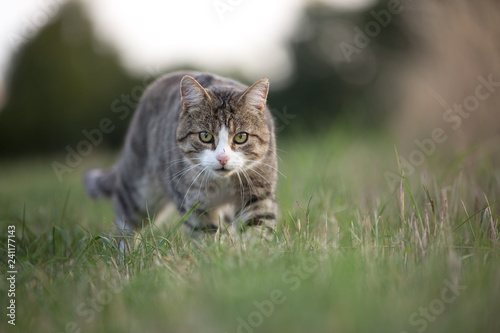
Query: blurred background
point(396, 67)
point(350, 80)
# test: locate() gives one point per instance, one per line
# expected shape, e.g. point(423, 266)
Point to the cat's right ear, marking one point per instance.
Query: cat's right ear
point(192, 93)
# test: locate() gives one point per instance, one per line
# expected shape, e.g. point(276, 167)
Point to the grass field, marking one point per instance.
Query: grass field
point(351, 254)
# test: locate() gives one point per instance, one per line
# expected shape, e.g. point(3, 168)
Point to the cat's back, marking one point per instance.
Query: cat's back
point(165, 91)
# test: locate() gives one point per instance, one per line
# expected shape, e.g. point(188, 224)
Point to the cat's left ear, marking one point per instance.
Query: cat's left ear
point(192, 93)
point(256, 95)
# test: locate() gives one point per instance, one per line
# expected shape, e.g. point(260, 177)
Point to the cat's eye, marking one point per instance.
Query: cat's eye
point(240, 138)
point(206, 137)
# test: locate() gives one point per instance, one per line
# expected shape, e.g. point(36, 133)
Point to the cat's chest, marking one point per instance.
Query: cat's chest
point(220, 191)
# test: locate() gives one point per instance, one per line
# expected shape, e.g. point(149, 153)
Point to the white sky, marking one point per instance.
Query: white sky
point(250, 35)
point(191, 31)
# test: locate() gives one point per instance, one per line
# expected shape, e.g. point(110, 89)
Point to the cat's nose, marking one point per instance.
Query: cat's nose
point(223, 158)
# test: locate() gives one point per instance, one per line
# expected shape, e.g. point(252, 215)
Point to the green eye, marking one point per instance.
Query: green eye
point(206, 137)
point(240, 138)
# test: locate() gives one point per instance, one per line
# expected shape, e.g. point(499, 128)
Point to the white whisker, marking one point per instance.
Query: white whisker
point(267, 165)
point(183, 172)
point(258, 173)
point(175, 162)
point(249, 181)
point(279, 157)
point(192, 183)
point(205, 177)
point(171, 165)
point(242, 188)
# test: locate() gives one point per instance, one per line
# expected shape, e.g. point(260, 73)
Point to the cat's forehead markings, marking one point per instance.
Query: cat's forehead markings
point(222, 118)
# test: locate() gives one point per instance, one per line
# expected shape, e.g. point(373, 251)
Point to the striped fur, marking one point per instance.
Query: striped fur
point(164, 160)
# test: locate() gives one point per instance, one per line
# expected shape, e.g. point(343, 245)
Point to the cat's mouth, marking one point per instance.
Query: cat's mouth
point(223, 171)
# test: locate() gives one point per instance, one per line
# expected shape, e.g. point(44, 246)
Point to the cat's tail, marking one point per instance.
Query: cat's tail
point(98, 183)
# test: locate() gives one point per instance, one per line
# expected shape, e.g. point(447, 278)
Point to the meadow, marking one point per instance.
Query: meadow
point(352, 252)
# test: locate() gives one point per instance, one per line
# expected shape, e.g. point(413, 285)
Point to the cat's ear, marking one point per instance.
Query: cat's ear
point(256, 95)
point(192, 93)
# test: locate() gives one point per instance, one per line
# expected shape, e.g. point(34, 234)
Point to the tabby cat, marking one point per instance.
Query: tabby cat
point(196, 140)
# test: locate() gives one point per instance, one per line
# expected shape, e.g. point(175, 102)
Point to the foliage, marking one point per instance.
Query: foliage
point(65, 81)
point(328, 82)
point(61, 82)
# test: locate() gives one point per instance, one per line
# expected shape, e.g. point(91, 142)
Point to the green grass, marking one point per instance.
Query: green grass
point(351, 253)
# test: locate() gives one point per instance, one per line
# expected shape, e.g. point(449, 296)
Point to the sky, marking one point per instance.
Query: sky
point(248, 35)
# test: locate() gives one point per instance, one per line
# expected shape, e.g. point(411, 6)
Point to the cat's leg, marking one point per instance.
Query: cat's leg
point(134, 200)
point(102, 184)
point(258, 216)
point(127, 219)
point(201, 219)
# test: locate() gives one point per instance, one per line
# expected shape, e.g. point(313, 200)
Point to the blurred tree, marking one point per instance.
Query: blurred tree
point(61, 82)
point(343, 66)
point(64, 81)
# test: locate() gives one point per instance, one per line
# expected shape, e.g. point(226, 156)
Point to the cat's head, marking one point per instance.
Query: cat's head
point(222, 128)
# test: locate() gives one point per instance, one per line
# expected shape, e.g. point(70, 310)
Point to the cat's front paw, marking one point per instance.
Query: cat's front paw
point(262, 227)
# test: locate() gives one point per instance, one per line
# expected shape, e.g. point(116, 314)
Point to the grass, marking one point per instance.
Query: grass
point(351, 253)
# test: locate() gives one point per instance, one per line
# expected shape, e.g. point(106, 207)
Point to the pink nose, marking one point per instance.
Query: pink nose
point(223, 158)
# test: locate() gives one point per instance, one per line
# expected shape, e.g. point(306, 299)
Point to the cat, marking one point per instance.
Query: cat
point(196, 140)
